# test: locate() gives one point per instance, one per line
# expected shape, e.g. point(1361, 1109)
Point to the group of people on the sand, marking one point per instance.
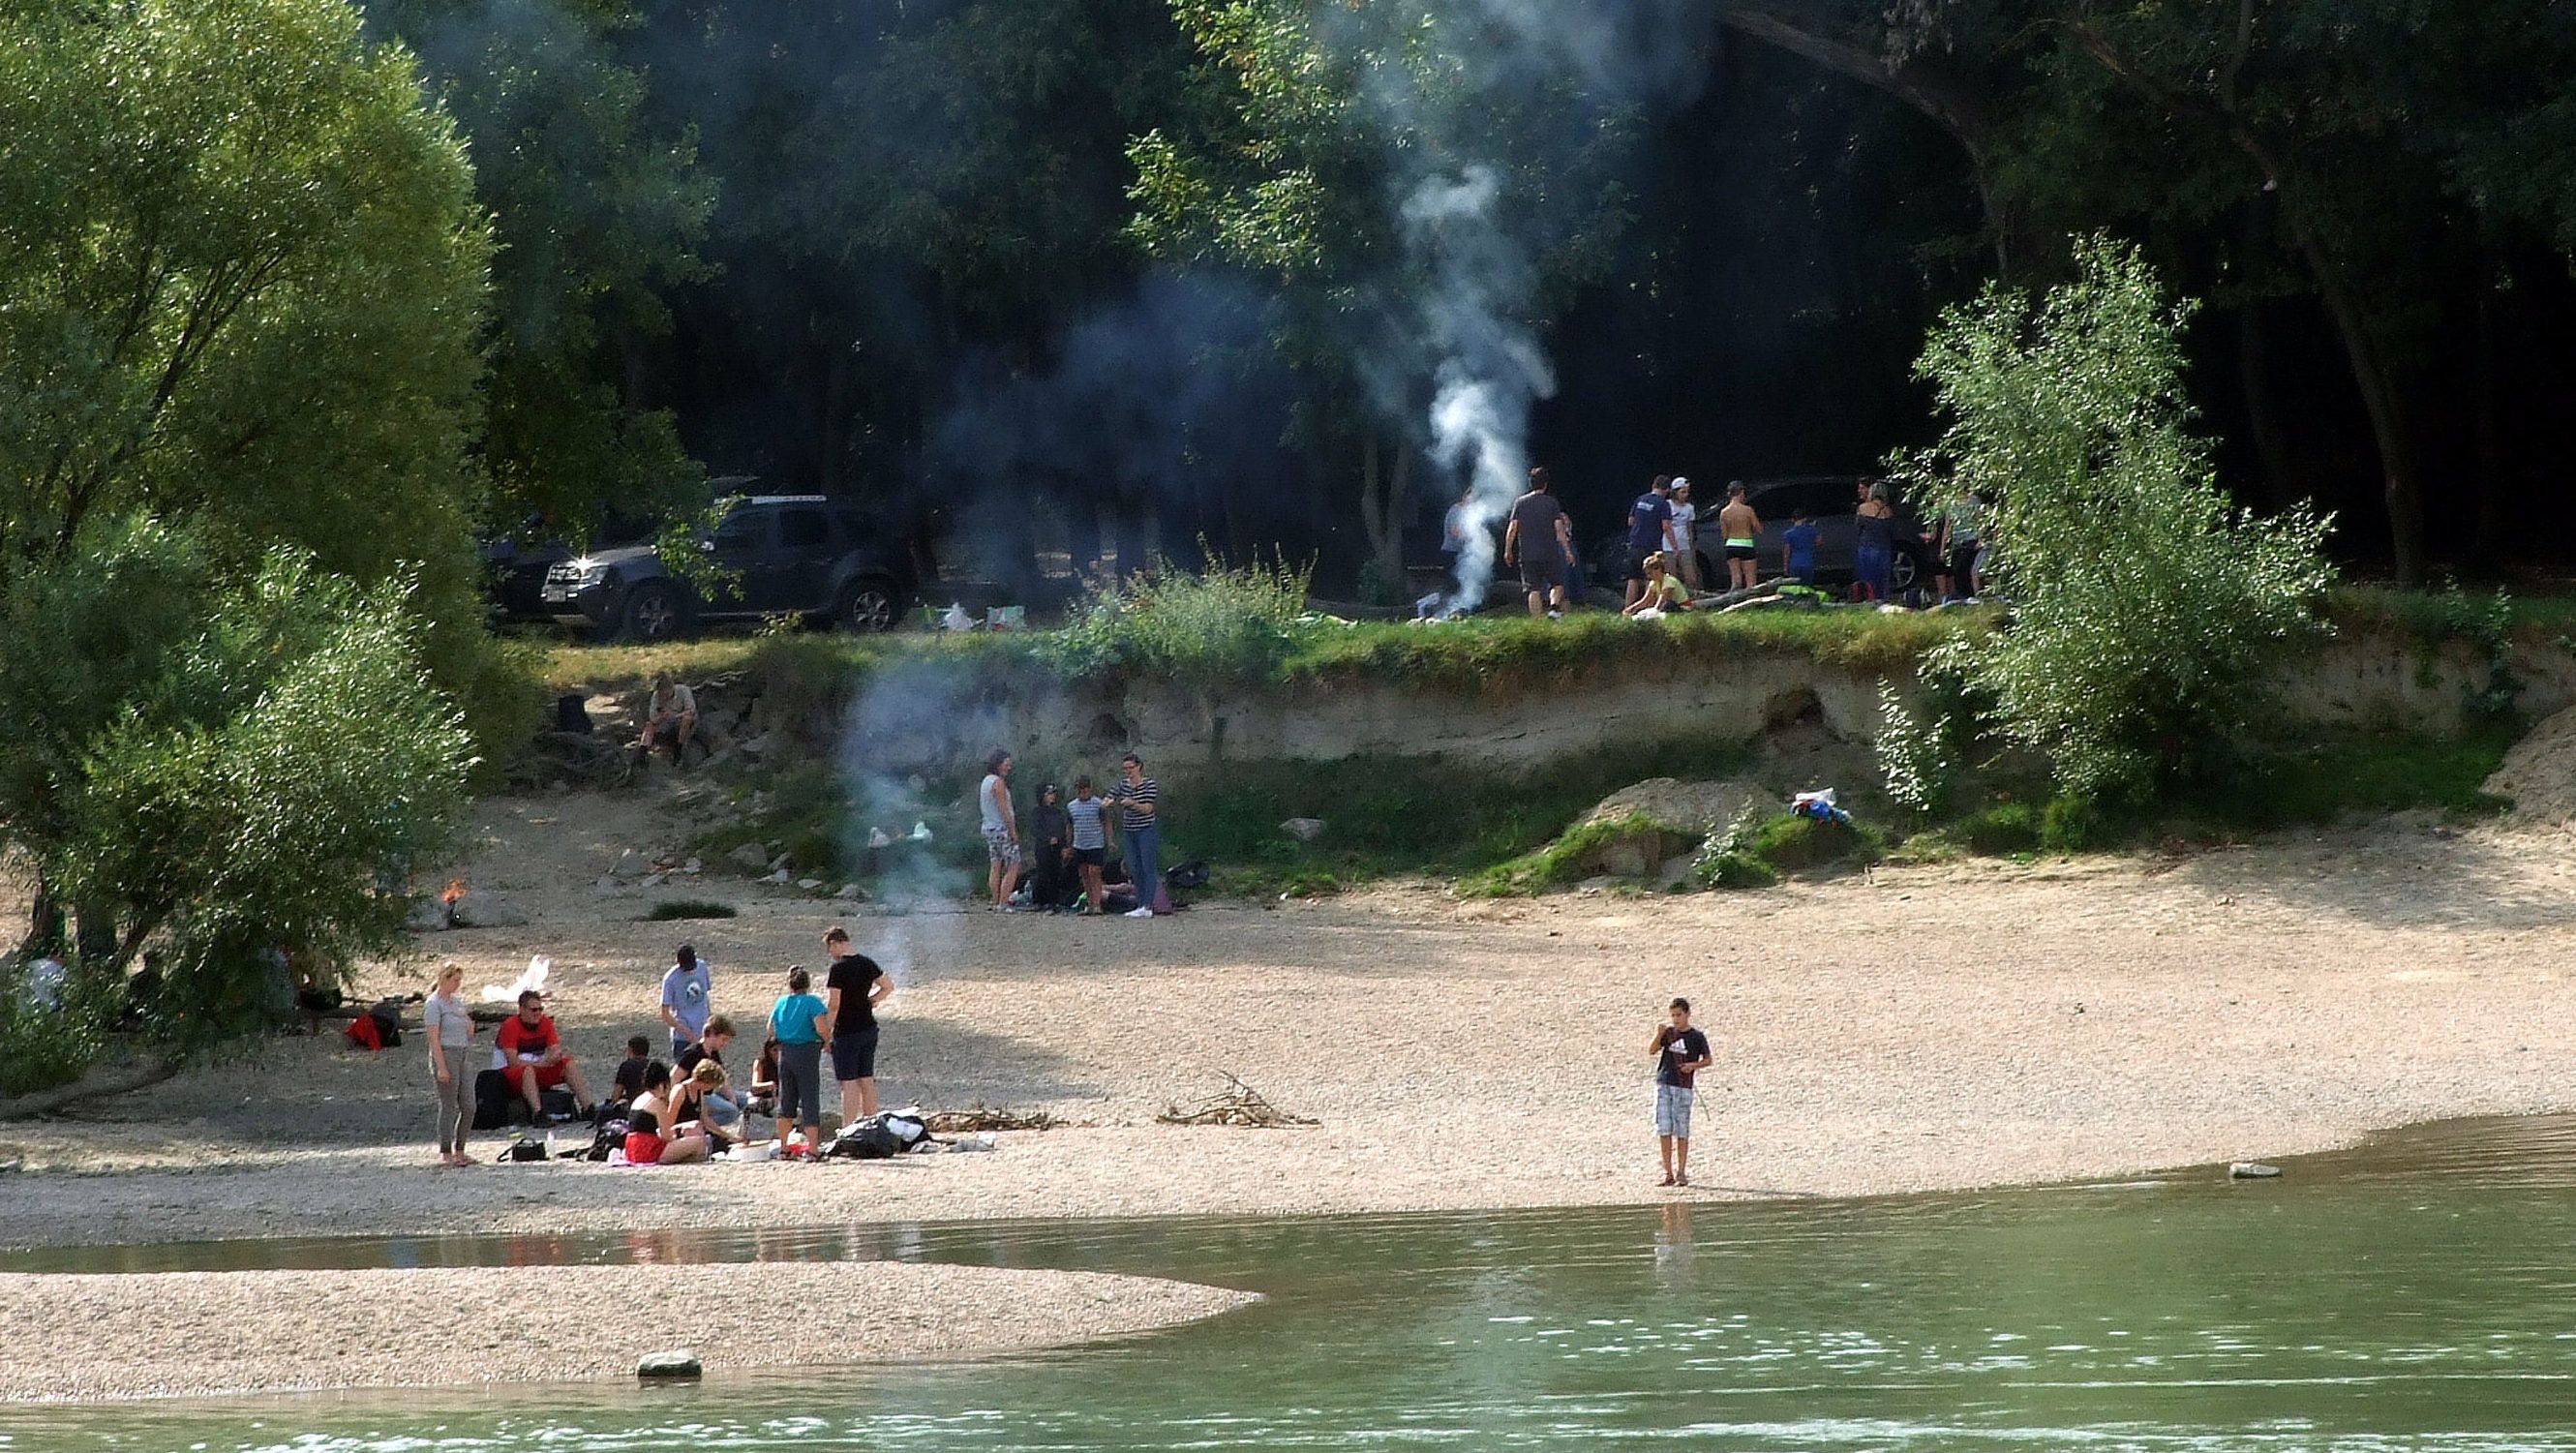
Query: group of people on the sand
point(688, 1108)
point(1061, 858)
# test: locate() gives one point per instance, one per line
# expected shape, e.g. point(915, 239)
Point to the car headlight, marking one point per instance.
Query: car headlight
point(587, 573)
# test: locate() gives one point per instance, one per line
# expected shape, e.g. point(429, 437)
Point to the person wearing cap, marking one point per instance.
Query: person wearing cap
point(688, 997)
point(1685, 561)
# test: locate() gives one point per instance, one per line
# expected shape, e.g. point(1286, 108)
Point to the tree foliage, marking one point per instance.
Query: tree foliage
point(2147, 609)
point(241, 278)
point(599, 212)
point(220, 767)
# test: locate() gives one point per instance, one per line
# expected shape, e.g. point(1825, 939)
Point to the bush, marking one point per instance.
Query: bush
point(1565, 860)
point(2147, 610)
point(2073, 824)
point(1223, 622)
point(679, 908)
point(1756, 851)
point(42, 1048)
point(2001, 830)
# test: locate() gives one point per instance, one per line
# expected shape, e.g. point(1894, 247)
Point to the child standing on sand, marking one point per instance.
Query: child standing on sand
point(1680, 1052)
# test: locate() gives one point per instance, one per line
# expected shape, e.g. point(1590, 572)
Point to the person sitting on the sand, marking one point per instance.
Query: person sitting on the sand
point(698, 1098)
point(653, 1136)
point(724, 1106)
point(630, 1070)
point(533, 1058)
point(764, 1079)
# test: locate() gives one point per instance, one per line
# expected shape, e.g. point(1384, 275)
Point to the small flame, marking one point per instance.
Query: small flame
point(454, 890)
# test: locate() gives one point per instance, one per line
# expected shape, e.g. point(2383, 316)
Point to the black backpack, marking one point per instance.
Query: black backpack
point(492, 1100)
point(1193, 874)
point(388, 1016)
point(607, 1140)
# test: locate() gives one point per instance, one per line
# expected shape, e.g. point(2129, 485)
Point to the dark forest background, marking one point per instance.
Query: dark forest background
point(891, 250)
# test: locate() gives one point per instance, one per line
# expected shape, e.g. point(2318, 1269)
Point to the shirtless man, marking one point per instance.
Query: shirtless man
point(1742, 529)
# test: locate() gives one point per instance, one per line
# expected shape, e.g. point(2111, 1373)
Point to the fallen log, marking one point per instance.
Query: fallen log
point(98, 1082)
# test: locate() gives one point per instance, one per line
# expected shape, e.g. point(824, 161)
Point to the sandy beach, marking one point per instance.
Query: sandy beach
point(1918, 1028)
point(195, 1333)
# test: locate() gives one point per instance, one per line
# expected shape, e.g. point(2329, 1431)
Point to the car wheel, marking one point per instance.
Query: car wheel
point(866, 608)
point(1903, 571)
point(655, 611)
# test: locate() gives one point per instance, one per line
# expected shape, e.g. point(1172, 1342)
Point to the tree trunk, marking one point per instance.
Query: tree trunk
point(2254, 363)
point(2400, 491)
point(2493, 499)
point(1382, 491)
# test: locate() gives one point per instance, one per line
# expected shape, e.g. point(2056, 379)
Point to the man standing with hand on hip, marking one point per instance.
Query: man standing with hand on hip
point(1679, 1052)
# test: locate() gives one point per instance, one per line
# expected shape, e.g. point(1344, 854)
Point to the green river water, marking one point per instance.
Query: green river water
point(2413, 1294)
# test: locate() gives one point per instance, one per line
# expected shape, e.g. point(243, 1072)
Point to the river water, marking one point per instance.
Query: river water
point(2412, 1294)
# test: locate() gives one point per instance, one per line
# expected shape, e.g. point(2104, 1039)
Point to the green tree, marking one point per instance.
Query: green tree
point(1312, 127)
point(598, 212)
point(244, 276)
point(2146, 608)
point(222, 767)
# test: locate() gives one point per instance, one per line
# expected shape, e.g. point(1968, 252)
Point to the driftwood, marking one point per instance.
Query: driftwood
point(982, 1117)
point(100, 1081)
point(1241, 1106)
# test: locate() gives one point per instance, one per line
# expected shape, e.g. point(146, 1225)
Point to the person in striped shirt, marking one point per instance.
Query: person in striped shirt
point(1139, 803)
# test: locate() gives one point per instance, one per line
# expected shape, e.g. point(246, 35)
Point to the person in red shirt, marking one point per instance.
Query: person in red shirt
point(533, 1057)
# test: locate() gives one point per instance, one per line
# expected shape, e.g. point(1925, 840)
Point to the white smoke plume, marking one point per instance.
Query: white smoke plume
point(1476, 256)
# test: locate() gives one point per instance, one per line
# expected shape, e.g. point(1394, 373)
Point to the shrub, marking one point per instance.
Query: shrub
point(679, 908)
point(1790, 842)
point(2001, 830)
point(2146, 608)
point(2073, 824)
point(1726, 860)
point(1221, 622)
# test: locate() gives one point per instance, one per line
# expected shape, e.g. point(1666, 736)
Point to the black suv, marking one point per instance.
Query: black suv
point(787, 554)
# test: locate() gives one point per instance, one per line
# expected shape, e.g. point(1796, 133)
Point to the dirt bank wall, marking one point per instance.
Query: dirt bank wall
point(918, 724)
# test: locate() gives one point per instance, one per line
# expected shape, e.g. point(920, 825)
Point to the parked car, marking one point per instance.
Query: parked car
point(786, 554)
point(514, 569)
point(1833, 500)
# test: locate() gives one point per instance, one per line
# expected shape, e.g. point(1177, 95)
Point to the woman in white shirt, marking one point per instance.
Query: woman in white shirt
point(450, 1032)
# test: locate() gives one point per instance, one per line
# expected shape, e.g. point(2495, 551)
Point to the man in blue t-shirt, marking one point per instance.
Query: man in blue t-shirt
point(1650, 529)
point(688, 993)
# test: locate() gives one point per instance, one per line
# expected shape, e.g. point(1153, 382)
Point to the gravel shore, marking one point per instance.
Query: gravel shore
point(1923, 1028)
point(190, 1333)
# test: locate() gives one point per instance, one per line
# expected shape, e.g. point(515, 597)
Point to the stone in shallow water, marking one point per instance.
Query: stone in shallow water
point(2249, 1170)
point(677, 1364)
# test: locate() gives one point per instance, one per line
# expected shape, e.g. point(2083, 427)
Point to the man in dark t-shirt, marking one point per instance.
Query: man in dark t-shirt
point(1680, 1053)
point(1650, 531)
point(852, 990)
point(1535, 540)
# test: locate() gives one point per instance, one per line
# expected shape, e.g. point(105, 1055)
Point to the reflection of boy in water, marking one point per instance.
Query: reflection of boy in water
point(1680, 1052)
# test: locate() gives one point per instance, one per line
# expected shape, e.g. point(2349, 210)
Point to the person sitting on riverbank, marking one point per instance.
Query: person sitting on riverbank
point(698, 1099)
point(1664, 592)
point(670, 720)
point(1680, 1052)
point(534, 1060)
point(725, 1105)
point(653, 1134)
point(764, 1079)
point(630, 1070)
